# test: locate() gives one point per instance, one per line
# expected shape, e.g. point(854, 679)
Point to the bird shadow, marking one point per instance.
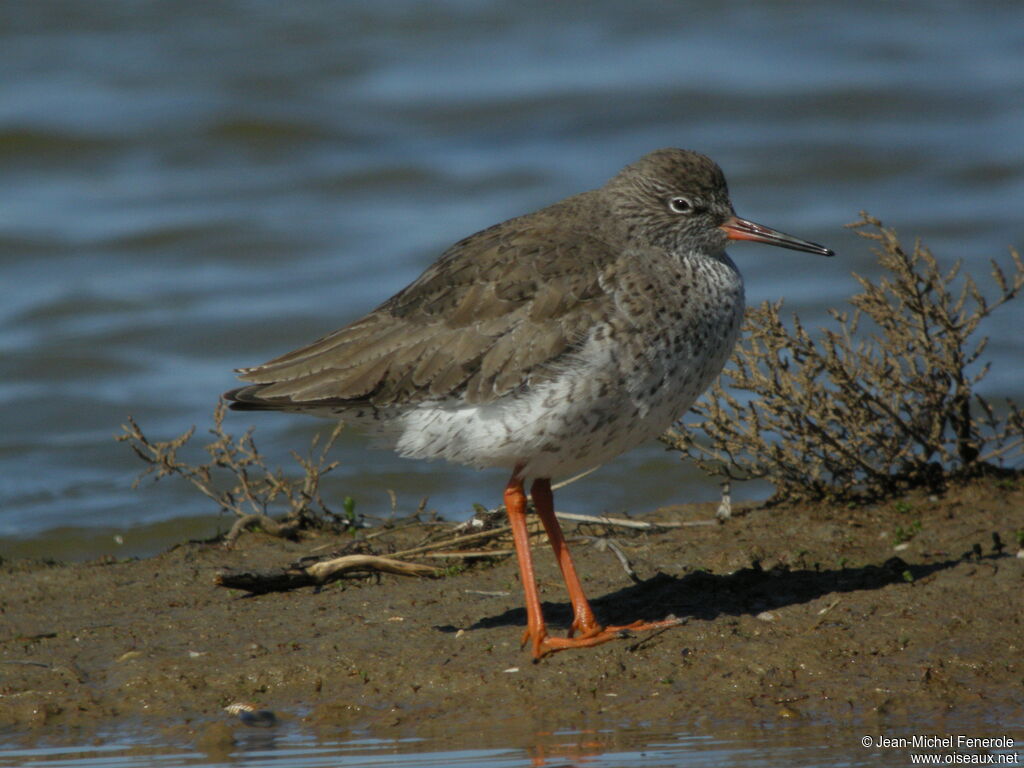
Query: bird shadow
point(748, 591)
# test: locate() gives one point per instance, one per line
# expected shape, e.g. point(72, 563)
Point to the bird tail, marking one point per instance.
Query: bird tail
point(248, 399)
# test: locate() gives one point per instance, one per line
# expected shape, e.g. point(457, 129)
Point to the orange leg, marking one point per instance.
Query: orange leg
point(515, 505)
point(591, 632)
point(583, 620)
point(582, 615)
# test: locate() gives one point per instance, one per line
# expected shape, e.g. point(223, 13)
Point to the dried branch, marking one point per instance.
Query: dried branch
point(625, 522)
point(316, 574)
point(237, 478)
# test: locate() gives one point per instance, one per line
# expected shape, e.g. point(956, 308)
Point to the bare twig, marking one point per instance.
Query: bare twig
point(574, 478)
point(298, 575)
point(328, 569)
point(236, 477)
point(267, 524)
point(449, 542)
point(465, 554)
point(625, 522)
point(603, 542)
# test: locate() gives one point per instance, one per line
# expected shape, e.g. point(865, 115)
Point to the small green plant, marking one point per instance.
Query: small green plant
point(883, 401)
point(905, 534)
point(348, 504)
point(453, 569)
point(903, 507)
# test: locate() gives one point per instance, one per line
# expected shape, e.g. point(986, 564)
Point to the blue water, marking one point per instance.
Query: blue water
point(186, 188)
point(606, 748)
point(790, 746)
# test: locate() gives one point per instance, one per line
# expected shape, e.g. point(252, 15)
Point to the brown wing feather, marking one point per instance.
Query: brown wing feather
point(493, 314)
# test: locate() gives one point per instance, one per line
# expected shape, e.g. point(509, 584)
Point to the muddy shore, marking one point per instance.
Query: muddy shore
point(907, 611)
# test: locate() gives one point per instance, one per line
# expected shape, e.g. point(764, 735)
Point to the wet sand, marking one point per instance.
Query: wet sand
point(806, 614)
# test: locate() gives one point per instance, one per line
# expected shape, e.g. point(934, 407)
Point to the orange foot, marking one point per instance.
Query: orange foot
point(543, 644)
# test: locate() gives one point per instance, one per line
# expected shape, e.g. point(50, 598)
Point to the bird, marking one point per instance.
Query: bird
point(544, 345)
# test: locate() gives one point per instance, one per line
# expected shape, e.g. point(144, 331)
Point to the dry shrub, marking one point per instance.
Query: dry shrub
point(882, 402)
point(237, 478)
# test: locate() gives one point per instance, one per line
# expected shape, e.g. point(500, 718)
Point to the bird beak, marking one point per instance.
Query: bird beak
point(741, 229)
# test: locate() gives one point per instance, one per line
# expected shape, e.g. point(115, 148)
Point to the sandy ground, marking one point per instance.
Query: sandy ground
point(807, 614)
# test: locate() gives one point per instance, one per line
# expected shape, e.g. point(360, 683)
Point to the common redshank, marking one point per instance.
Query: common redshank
point(545, 345)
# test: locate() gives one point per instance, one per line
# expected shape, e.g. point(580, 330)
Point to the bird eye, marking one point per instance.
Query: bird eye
point(680, 205)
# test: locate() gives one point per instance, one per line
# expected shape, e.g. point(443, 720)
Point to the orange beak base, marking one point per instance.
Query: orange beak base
point(741, 229)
